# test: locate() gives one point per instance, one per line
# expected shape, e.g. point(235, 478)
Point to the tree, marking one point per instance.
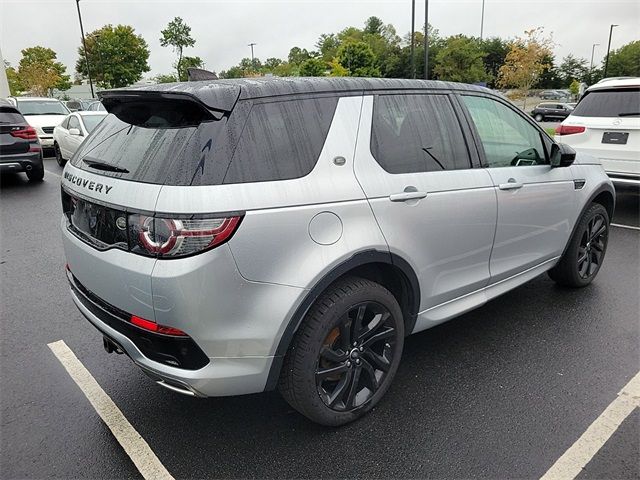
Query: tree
point(525, 61)
point(272, 63)
point(15, 85)
point(299, 55)
point(550, 76)
point(177, 35)
point(314, 67)
point(358, 58)
point(495, 50)
point(460, 60)
point(328, 45)
point(189, 62)
point(39, 72)
point(573, 68)
point(117, 56)
point(165, 78)
point(625, 61)
point(373, 26)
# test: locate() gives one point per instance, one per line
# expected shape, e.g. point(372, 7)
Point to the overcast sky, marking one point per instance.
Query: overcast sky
point(223, 29)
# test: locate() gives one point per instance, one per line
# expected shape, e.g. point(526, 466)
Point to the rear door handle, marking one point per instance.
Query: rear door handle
point(404, 196)
point(511, 184)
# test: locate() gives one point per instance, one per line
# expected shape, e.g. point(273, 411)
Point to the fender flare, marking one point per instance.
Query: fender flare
point(357, 260)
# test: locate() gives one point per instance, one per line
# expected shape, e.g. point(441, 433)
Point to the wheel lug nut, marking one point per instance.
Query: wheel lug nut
point(348, 363)
point(358, 362)
point(355, 344)
point(362, 349)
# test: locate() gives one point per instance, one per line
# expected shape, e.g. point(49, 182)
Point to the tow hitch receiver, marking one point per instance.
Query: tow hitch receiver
point(111, 346)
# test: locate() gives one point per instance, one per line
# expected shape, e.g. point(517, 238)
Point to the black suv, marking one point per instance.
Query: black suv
point(551, 110)
point(20, 149)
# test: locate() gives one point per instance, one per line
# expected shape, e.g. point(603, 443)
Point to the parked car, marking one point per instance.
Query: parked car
point(44, 114)
point(236, 236)
point(552, 95)
point(20, 150)
point(547, 110)
point(68, 136)
point(606, 124)
point(95, 107)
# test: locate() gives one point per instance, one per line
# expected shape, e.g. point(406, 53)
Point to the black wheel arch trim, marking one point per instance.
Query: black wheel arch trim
point(604, 188)
point(357, 260)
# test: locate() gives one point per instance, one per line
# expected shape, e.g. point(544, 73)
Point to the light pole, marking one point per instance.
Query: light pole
point(253, 63)
point(84, 44)
point(482, 21)
point(413, 36)
point(593, 47)
point(606, 63)
point(426, 39)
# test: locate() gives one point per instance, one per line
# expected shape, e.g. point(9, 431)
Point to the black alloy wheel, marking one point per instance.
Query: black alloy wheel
point(592, 246)
point(356, 356)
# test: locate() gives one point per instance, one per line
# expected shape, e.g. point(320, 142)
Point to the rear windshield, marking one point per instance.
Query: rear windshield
point(9, 115)
point(41, 107)
point(171, 144)
point(610, 103)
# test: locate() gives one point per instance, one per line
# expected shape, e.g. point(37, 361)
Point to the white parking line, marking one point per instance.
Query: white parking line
point(630, 227)
point(584, 449)
point(135, 446)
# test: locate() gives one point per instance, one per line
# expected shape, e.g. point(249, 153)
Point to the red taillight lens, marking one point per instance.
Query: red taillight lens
point(568, 129)
point(26, 133)
point(172, 237)
point(154, 327)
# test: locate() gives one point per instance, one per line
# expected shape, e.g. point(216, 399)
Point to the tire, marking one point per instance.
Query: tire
point(36, 174)
point(539, 117)
point(61, 161)
point(585, 253)
point(319, 370)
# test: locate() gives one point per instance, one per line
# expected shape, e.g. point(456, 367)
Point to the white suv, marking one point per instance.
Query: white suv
point(606, 124)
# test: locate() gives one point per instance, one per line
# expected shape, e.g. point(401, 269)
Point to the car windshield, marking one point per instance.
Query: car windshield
point(92, 121)
point(42, 107)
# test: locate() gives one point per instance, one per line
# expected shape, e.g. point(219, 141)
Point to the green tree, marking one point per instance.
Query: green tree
point(373, 26)
point(272, 63)
point(328, 45)
point(299, 55)
point(495, 50)
point(178, 36)
point(573, 68)
point(15, 85)
point(624, 62)
point(314, 67)
point(461, 60)
point(117, 56)
point(39, 72)
point(550, 76)
point(189, 62)
point(358, 58)
point(165, 78)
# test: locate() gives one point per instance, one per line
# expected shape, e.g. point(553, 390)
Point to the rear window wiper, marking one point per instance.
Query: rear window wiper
point(628, 114)
point(98, 165)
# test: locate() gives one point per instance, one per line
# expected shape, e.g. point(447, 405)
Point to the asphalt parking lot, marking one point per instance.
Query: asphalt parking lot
point(501, 392)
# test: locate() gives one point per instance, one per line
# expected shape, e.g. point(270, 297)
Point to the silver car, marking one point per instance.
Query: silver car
point(238, 236)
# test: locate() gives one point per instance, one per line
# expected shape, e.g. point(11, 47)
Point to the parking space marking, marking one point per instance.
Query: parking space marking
point(619, 225)
point(52, 173)
point(591, 441)
point(134, 445)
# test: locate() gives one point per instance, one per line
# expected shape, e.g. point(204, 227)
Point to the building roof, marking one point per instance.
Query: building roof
point(223, 94)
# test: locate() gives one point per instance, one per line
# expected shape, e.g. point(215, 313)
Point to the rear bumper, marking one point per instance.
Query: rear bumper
point(219, 377)
point(20, 162)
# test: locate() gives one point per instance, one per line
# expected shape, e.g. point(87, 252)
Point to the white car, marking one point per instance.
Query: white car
point(68, 136)
point(43, 114)
point(606, 124)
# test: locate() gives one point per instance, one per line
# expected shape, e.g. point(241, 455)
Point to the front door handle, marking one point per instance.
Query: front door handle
point(404, 196)
point(511, 184)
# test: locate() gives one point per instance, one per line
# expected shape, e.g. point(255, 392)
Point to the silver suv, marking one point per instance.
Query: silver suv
point(233, 237)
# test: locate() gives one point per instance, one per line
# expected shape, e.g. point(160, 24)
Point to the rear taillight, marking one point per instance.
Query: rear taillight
point(154, 327)
point(568, 129)
point(174, 237)
point(26, 133)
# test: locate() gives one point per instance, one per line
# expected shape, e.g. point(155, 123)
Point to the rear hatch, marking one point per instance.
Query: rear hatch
point(111, 185)
point(606, 124)
point(14, 138)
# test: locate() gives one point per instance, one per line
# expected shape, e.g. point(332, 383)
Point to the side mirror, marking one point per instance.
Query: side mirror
point(562, 155)
point(75, 132)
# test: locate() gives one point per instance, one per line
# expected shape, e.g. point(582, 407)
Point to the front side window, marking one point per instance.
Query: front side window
point(507, 138)
point(417, 133)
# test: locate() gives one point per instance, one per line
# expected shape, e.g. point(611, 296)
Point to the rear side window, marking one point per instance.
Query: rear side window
point(609, 103)
point(417, 133)
point(281, 140)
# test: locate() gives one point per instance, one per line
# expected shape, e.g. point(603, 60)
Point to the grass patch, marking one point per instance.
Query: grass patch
point(551, 131)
